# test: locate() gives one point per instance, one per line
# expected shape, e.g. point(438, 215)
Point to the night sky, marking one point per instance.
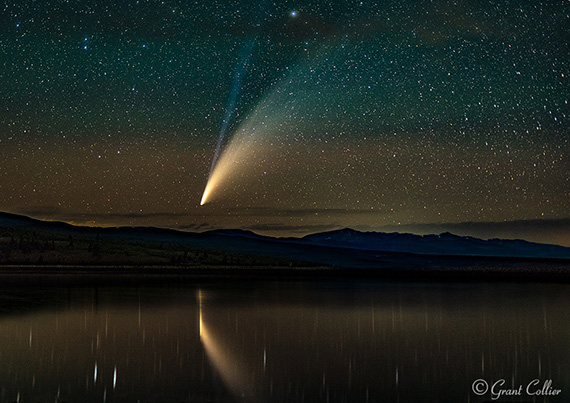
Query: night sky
point(410, 116)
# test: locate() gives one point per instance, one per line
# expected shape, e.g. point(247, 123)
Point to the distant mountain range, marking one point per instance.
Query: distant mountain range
point(441, 244)
point(24, 240)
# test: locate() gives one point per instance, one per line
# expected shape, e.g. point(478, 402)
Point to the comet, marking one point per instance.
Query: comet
point(240, 72)
point(280, 117)
point(205, 195)
point(238, 150)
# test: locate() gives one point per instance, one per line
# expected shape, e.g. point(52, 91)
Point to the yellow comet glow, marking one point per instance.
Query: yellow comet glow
point(233, 372)
point(237, 154)
point(271, 119)
point(205, 195)
point(212, 182)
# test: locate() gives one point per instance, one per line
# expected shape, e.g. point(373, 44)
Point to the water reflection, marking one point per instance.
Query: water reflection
point(232, 369)
point(281, 342)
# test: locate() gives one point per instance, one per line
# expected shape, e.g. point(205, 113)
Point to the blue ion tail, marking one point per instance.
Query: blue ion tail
point(240, 72)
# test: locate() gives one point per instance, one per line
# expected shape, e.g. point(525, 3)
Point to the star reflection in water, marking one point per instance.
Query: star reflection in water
point(281, 341)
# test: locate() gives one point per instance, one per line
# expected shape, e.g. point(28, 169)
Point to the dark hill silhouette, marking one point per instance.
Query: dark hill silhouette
point(441, 244)
point(24, 240)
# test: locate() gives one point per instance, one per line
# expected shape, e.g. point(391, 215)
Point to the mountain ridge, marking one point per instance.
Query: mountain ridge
point(436, 244)
point(344, 247)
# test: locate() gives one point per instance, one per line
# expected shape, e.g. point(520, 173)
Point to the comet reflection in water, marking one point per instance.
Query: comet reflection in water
point(280, 342)
point(233, 371)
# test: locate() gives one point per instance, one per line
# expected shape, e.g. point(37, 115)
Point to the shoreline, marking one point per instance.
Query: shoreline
point(545, 272)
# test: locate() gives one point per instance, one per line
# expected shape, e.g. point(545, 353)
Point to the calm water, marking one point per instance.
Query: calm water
point(275, 341)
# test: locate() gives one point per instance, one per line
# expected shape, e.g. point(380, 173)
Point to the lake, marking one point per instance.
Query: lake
point(286, 341)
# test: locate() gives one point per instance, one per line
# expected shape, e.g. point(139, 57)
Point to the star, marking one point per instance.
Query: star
point(321, 109)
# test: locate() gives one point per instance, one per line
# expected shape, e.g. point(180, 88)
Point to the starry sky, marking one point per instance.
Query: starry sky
point(410, 116)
